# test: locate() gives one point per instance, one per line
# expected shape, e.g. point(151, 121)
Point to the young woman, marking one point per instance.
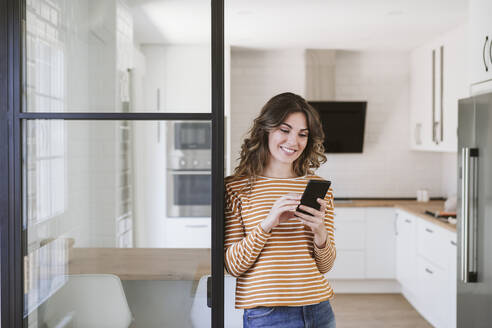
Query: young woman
point(278, 254)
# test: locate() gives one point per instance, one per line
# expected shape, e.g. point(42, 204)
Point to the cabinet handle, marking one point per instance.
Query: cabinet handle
point(441, 120)
point(195, 225)
point(429, 271)
point(433, 96)
point(408, 221)
point(429, 230)
point(483, 53)
point(436, 126)
point(490, 51)
point(453, 243)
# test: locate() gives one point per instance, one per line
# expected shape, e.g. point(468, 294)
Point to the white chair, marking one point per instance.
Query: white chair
point(200, 312)
point(88, 300)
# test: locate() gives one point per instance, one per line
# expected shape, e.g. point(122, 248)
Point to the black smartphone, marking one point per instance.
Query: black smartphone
point(315, 189)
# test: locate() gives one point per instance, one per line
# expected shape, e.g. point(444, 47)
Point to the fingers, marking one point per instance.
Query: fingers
point(311, 225)
point(287, 203)
point(292, 195)
point(306, 217)
point(288, 207)
point(312, 211)
point(290, 200)
point(323, 204)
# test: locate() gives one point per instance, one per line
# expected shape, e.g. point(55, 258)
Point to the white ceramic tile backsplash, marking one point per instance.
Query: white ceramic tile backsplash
point(387, 167)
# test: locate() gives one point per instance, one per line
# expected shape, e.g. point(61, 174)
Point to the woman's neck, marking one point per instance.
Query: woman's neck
point(279, 171)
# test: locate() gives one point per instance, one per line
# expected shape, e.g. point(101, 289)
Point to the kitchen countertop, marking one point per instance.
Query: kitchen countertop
point(410, 206)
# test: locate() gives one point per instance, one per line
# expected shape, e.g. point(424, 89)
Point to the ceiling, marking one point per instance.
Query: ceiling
point(276, 24)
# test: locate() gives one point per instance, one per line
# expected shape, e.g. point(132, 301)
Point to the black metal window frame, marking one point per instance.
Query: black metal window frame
point(12, 14)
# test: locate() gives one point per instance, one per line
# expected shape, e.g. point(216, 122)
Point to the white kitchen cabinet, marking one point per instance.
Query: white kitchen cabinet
point(480, 45)
point(180, 78)
point(451, 252)
point(406, 252)
point(437, 71)
point(365, 243)
point(350, 243)
point(426, 268)
point(431, 291)
point(380, 243)
point(349, 264)
point(431, 243)
point(421, 98)
point(188, 233)
point(350, 235)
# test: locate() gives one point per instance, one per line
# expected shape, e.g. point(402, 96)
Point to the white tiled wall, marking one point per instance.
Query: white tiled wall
point(387, 167)
point(255, 77)
point(449, 166)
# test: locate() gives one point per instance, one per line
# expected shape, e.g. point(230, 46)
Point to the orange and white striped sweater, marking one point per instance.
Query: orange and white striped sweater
point(280, 268)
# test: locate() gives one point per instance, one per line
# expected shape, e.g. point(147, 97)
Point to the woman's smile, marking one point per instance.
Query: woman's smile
point(287, 150)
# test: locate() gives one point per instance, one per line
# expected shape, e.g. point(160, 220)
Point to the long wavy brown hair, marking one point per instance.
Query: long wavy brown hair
point(255, 151)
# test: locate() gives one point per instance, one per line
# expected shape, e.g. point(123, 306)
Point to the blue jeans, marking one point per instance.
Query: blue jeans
point(309, 316)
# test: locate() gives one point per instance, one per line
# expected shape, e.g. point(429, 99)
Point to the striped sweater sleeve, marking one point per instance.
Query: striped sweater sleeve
point(325, 257)
point(241, 250)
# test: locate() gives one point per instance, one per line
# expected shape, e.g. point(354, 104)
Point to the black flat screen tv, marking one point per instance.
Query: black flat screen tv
point(343, 125)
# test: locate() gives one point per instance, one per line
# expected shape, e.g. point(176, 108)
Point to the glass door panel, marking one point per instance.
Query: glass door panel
point(118, 56)
point(110, 223)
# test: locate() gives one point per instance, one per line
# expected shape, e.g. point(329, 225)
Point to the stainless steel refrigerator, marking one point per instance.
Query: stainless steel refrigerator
point(474, 300)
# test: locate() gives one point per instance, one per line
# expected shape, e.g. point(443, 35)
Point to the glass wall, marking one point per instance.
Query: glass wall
point(117, 197)
point(116, 213)
point(118, 56)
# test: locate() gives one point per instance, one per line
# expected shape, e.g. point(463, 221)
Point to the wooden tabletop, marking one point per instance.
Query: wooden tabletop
point(142, 263)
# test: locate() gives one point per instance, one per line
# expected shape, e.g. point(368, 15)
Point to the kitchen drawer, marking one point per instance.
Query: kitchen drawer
point(345, 214)
point(188, 233)
point(406, 217)
point(432, 243)
point(348, 265)
point(349, 235)
point(433, 292)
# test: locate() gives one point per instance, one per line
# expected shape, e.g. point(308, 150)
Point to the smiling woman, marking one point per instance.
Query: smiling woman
point(270, 246)
point(285, 114)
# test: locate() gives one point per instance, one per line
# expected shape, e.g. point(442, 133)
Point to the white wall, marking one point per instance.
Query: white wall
point(255, 77)
point(449, 167)
point(387, 167)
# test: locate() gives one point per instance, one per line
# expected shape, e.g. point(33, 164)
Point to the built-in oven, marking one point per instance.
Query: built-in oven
point(189, 193)
point(189, 136)
point(189, 178)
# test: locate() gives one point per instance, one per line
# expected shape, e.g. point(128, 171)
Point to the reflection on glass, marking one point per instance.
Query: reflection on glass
point(117, 56)
point(96, 200)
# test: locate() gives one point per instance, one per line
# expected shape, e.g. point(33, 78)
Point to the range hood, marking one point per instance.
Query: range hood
point(343, 121)
point(320, 74)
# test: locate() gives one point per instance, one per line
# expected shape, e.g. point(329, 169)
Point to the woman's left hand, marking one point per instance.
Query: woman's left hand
point(315, 221)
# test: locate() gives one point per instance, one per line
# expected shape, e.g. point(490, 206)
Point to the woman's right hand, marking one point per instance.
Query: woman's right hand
point(282, 210)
